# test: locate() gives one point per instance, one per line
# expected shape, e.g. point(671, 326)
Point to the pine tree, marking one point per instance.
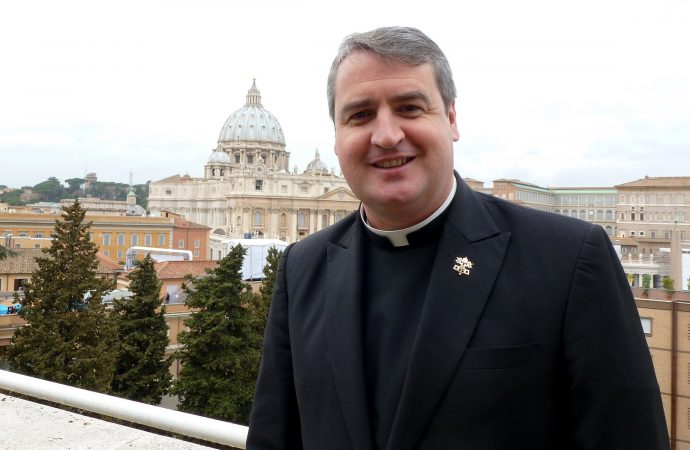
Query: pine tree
point(69, 336)
point(141, 372)
point(220, 354)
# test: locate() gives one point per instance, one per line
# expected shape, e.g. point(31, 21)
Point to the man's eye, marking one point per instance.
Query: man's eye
point(410, 109)
point(360, 115)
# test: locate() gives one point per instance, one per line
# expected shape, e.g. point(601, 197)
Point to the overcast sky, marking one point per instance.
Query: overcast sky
point(555, 93)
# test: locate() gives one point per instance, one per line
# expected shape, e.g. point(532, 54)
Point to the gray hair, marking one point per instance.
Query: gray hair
point(403, 44)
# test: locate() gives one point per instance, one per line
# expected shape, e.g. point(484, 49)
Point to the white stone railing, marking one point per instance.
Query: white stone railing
point(180, 423)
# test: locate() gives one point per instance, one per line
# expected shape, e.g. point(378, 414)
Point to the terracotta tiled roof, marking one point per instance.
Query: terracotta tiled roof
point(180, 269)
point(658, 182)
point(184, 223)
point(24, 262)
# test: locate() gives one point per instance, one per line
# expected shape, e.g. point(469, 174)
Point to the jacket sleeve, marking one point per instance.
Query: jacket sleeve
point(275, 420)
point(613, 395)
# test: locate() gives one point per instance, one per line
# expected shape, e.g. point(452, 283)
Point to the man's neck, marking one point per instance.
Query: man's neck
point(398, 237)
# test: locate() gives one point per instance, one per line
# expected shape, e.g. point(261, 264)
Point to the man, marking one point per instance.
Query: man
point(437, 317)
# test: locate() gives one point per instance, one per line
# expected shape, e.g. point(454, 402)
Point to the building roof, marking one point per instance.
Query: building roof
point(671, 182)
point(180, 269)
point(181, 222)
point(24, 262)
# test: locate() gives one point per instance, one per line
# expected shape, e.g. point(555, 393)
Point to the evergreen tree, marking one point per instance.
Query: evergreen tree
point(266, 290)
point(69, 336)
point(220, 353)
point(141, 372)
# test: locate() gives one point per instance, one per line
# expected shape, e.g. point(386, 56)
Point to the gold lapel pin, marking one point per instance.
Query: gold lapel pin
point(462, 265)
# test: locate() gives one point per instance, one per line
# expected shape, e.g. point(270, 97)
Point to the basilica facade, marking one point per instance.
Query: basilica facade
point(247, 188)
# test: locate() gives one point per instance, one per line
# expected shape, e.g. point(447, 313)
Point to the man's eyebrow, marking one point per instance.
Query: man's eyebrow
point(400, 98)
point(413, 95)
point(354, 105)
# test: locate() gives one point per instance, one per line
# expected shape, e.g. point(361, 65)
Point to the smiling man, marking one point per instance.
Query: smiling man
point(438, 317)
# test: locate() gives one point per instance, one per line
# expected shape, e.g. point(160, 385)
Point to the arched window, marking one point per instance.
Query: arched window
point(609, 230)
point(239, 221)
point(258, 219)
point(600, 214)
point(609, 215)
point(583, 214)
point(283, 220)
point(324, 221)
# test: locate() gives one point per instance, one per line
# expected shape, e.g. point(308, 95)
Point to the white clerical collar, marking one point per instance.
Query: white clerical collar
point(399, 237)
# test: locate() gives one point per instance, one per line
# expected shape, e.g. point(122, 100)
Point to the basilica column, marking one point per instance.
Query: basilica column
point(292, 225)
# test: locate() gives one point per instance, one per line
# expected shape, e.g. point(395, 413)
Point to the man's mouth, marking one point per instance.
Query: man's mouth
point(392, 163)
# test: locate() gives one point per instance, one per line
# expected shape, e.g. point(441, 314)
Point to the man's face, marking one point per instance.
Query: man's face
point(394, 138)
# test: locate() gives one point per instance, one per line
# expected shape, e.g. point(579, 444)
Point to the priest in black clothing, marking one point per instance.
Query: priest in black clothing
point(437, 317)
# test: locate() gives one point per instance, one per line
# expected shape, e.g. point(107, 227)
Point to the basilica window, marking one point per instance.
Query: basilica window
point(283, 220)
point(237, 159)
point(324, 220)
point(250, 159)
point(258, 185)
point(301, 219)
point(258, 219)
point(168, 192)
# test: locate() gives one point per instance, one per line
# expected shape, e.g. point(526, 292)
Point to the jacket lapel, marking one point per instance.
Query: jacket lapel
point(344, 332)
point(453, 306)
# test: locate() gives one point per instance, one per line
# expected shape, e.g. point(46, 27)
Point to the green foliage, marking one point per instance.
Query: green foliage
point(74, 185)
point(142, 372)
point(266, 289)
point(646, 281)
point(69, 337)
point(668, 283)
point(6, 252)
point(50, 190)
point(12, 198)
point(220, 356)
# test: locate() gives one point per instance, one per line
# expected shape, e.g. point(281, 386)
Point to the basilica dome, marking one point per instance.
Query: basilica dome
point(218, 157)
point(316, 166)
point(252, 122)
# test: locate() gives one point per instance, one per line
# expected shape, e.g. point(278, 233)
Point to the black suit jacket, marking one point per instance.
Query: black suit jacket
point(539, 347)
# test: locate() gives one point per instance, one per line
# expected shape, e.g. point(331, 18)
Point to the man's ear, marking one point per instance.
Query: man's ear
point(452, 118)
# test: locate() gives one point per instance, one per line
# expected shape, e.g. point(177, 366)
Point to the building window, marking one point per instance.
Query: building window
point(38, 235)
point(168, 192)
point(258, 219)
point(250, 159)
point(180, 243)
point(653, 234)
point(632, 216)
point(283, 220)
point(135, 239)
point(324, 221)
point(161, 239)
point(258, 184)
point(120, 239)
point(301, 219)
point(632, 234)
point(646, 325)
point(37, 245)
point(148, 239)
point(325, 190)
point(640, 233)
point(196, 253)
point(119, 255)
point(283, 189)
point(237, 159)
point(106, 253)
point(197, 244)
point(23, 234)
point(106, 239)
point(304, 189)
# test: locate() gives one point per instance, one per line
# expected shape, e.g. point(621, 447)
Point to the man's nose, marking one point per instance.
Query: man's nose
point(387, 132)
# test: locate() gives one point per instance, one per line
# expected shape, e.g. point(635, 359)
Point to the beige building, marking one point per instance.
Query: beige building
point(655, 212)
point(247, 188)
